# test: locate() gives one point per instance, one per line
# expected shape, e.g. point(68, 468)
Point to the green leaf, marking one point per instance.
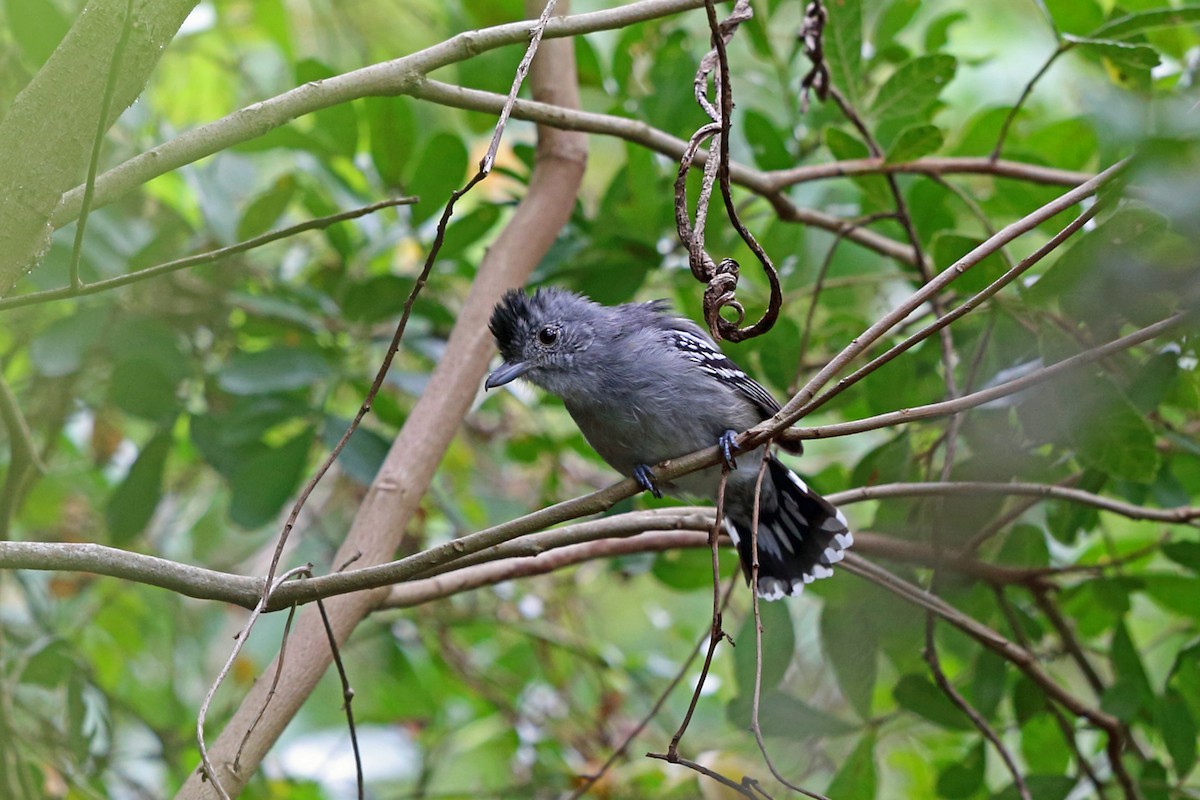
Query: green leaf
point(1184, 553)
point(893, 20)
point(440, 170)
point(962, 778)
point(784, 716)
point(1176, 593)
point(1075, 16)
point(843, 46)
point(913, 143)
point(778, 646)
point(913, 88)
point(132, 504)
point(1179, 731)
point(378, 297)
point(937, 33)
point(263, 211)
point(140, 387)
point(1042, 745)
point(263, 483)
point(989, 682)
point(364, 452)
point(63, 346)
point(1144, 21)
point(853, 654)
point(856, 779)
point(1120, 442)
point(1041, 787)
point(1127, 664)
point(334, 128)
point(48, 662)
point(766, 144)
point(779, 355)
point(469, 230)
point(36, 27)
point(393, 136)
point(844, 146)
point(690, 569)
point(919, 695)
point(278, 370)
point(1136, 56)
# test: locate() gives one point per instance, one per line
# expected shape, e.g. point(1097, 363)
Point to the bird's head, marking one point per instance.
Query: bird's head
point(542, 336)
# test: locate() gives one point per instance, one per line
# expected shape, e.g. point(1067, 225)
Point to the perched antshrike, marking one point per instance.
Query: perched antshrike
point(644, 387)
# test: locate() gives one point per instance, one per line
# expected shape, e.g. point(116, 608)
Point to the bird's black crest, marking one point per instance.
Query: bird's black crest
point(518, 313)
point(509, 318)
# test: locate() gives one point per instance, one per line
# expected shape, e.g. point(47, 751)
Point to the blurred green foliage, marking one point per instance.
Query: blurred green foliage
point(180, 416)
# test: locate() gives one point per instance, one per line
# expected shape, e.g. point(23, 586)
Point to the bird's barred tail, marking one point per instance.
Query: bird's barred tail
point(799, 540)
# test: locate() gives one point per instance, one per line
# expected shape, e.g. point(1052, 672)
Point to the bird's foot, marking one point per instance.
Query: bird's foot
point(645, 479)
point(728, 444)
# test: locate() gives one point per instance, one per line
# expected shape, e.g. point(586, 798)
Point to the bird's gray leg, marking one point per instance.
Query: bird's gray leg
point(645, 479)
point(728, 444)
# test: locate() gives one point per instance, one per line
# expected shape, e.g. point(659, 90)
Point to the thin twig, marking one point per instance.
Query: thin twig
point(740, 788)
point(981, 724)
point(716, 633)
point(347, 697)
point(23, 450)
point(279, 661)
point(89, 187)
point(200, 258)
point(239, 642)
point(1016, 107)
point(1070, 642)
point(822, 273)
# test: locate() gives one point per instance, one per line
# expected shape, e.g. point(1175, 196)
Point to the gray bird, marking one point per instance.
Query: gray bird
point(644, 387)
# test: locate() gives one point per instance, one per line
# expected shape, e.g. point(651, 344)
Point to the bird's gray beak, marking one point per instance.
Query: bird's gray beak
point(506, 373)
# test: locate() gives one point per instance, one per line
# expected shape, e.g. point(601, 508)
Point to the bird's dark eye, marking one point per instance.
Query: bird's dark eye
point(548, 335)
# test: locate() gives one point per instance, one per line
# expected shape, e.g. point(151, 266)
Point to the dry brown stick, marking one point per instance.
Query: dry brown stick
point(243, 590)
point(734, 332)
point(453, 582)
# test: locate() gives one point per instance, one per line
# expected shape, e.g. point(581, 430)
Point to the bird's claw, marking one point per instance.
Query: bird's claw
point(645, 479)
point(728, 444)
